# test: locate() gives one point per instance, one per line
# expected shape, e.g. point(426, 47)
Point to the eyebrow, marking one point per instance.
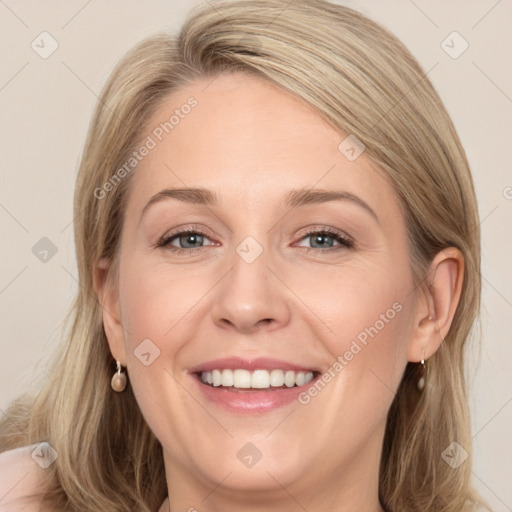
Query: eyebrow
point(294, 199)
point(306, 197)
point(187, 195)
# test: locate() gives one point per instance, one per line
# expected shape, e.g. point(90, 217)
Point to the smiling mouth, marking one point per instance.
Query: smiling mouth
point(261, 380)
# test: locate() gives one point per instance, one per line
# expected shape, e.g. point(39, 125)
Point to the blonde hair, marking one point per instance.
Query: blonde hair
point(364, 82)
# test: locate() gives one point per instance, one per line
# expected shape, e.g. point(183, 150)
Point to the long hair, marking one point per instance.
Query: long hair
point(364, 82)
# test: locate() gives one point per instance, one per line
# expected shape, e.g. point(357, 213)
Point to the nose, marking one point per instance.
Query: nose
point(251, 298)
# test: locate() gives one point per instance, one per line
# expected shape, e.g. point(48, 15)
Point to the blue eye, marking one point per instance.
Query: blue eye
point(321, 240)
point(325, 239)
point(188, 239)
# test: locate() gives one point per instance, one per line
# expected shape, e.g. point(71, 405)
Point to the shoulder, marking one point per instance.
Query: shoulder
point(23, 477)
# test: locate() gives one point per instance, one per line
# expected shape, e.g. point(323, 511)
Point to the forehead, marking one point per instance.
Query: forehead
point(238, 133)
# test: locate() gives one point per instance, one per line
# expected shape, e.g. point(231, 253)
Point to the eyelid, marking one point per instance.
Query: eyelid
point(344, 240)
point(325, 229)
point(166, 238)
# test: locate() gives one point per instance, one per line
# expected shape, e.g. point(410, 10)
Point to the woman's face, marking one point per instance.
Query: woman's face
point(292, 257)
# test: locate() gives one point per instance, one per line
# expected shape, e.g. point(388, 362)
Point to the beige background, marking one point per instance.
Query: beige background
point(45, 109)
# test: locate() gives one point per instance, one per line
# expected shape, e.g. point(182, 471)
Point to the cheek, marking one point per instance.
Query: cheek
point(365, 320)
point(159, 307)
point(155, 310)
point(152, 310)
point(155, 300)
point(358, 302)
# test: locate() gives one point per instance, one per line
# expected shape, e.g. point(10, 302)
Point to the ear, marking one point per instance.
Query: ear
point(105, 286)
point(437, 305)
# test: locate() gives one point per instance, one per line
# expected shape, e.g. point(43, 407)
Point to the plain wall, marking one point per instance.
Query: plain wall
point(45, 109)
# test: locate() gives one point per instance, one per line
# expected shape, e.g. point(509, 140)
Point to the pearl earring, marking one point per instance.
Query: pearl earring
point(420, 384)
point(119, 380)
point(421, 380)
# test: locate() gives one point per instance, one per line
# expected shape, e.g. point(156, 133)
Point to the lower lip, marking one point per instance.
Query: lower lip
point(244, 401)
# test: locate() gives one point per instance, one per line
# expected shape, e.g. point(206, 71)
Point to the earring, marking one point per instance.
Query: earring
point(420, 384)
point(118, 382)
point(422, 374)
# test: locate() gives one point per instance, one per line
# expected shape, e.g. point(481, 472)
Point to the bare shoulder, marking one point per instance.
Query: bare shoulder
point(24, 476)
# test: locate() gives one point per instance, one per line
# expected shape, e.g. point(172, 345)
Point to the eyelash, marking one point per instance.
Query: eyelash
point(343, 240)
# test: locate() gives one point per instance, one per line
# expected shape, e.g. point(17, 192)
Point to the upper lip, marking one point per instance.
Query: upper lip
point(259, 363)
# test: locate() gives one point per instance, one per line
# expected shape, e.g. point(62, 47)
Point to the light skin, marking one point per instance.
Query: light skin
point(250, 143)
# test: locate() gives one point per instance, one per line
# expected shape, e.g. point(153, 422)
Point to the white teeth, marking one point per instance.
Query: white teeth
point(258, 379)
point(277, 378)
point(289, 379)
point(217, 378)
point(242, 379)
point(227, 378)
